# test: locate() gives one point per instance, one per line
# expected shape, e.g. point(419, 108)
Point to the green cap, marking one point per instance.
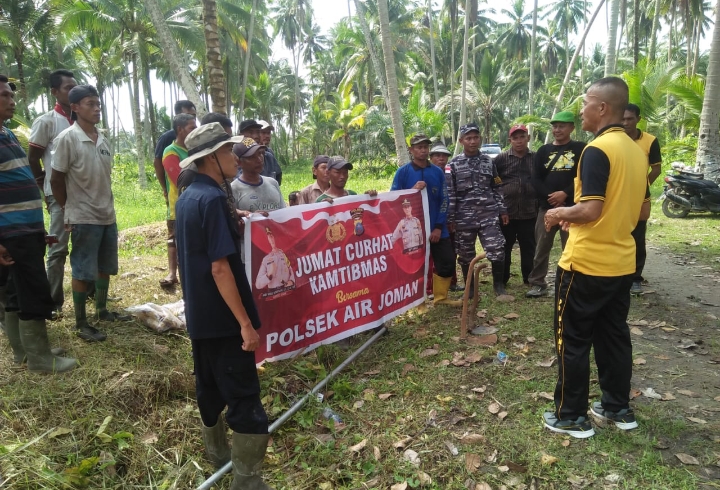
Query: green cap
point(564, 116)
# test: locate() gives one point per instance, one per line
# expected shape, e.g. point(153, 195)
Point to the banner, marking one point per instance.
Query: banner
point(323, 272)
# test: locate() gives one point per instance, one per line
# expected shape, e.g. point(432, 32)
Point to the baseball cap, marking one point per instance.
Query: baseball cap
point(78, 93)
point(265, 125)
point(564, 116)
point(469, 128)
point(320, 159)
point(419, 138)
point(516, 128)
point(338, 163)
point(249, 124)
point(440, 148)
point(205, 140)
point(247, 147)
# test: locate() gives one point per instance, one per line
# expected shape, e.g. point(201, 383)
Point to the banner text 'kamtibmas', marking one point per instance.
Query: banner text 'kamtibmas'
point(341, 274)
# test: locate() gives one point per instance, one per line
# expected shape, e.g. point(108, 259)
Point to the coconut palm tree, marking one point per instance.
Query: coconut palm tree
point(516, 35)
point(213, 56)
point(568, 16)
point(393, 94)
point(708, 153)
point(176, 61)
point(21, 21)
point(610, 52)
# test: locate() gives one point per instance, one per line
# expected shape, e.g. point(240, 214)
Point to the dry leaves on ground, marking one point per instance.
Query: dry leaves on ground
point(548, 363)
point(687, 459)
point(471, 439)
point(411, 457)
point(472, 462)
point(547, 459)
point(357, 447)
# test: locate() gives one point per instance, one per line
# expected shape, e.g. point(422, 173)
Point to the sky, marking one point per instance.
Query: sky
point(329, 12)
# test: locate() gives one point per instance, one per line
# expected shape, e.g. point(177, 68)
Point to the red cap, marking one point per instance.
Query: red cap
point(517, 127)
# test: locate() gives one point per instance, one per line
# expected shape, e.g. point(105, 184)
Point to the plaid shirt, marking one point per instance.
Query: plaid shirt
point(517, 187)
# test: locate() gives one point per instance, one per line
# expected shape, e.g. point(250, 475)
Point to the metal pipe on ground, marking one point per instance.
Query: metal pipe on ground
point(215, 477)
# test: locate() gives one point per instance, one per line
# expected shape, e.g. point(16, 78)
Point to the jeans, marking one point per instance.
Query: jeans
point(58, 252)
point(544, 241)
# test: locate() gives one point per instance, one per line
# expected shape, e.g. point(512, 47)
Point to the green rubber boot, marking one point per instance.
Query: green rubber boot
point(217, 449)
point(248, 453)
point(33, 334)
point(12, 330)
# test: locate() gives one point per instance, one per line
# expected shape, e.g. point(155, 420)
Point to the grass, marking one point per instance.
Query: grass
point(54, 435)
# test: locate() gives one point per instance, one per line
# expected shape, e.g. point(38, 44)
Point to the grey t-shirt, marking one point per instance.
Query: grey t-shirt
point(87, 167)
point(265, 196)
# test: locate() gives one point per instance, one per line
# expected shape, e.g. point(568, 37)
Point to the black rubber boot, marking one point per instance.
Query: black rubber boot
point(498, 273)
point(469, 281)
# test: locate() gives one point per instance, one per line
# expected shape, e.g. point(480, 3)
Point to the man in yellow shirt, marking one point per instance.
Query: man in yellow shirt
point(651, 148)
point(594, 275)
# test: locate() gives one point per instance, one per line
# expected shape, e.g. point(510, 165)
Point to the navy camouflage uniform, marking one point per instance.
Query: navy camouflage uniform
point(475, 206)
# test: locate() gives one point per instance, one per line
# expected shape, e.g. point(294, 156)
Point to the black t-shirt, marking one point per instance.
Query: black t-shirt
point(562, 175)
point(165, 140)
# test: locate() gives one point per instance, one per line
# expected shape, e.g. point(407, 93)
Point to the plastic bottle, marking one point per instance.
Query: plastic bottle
point(500, 359)
point(329, 414)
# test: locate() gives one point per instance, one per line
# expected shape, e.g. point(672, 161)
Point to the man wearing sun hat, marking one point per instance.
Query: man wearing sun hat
point(420, 174)
point(515, 167)
point(555, 169)
point(220, 312)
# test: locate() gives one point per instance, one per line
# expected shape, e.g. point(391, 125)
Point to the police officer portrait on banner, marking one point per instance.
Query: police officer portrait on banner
point(409, 230)
point(275, 273)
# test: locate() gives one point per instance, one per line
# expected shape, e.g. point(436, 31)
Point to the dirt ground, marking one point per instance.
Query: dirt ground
point(676, 351)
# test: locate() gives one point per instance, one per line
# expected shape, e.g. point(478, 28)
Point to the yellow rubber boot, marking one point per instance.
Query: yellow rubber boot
point(441, 285)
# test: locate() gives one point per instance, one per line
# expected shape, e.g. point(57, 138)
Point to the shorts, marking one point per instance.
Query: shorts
point(171, 233)
point(94, 251)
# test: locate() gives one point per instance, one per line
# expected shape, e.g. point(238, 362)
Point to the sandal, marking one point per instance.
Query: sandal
point(168, 283)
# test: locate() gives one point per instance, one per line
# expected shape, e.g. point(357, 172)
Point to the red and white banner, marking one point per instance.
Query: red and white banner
point(323, 272)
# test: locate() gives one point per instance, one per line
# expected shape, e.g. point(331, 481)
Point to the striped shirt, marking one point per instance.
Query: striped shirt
point(20, 201)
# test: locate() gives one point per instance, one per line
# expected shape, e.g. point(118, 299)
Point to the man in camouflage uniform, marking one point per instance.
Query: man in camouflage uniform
point(409, 230)
point(475, 205)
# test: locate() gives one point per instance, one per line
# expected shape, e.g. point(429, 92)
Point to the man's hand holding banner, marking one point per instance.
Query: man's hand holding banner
point(323, 272)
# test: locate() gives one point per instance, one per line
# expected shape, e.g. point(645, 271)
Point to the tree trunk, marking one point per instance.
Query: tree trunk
point(103, 105)
point(654, 34)
point(214, 57)
point(463, 89)
point(371, 49)
point(610, 54)
point(452, 78)
point(246, 65)
point(393, 92)
point(22, 93)
point(137, 124)
point(148, 95)
point(670, 33)
point(533, 48)
point(708, 152)
point(173, 57)
point(432, 52)
point(558, 101)
point(636, 32)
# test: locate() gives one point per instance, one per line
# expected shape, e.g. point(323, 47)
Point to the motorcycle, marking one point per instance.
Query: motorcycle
point(687, 190)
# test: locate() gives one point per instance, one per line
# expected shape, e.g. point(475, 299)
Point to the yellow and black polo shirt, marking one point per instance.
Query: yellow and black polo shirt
point(614, 170)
